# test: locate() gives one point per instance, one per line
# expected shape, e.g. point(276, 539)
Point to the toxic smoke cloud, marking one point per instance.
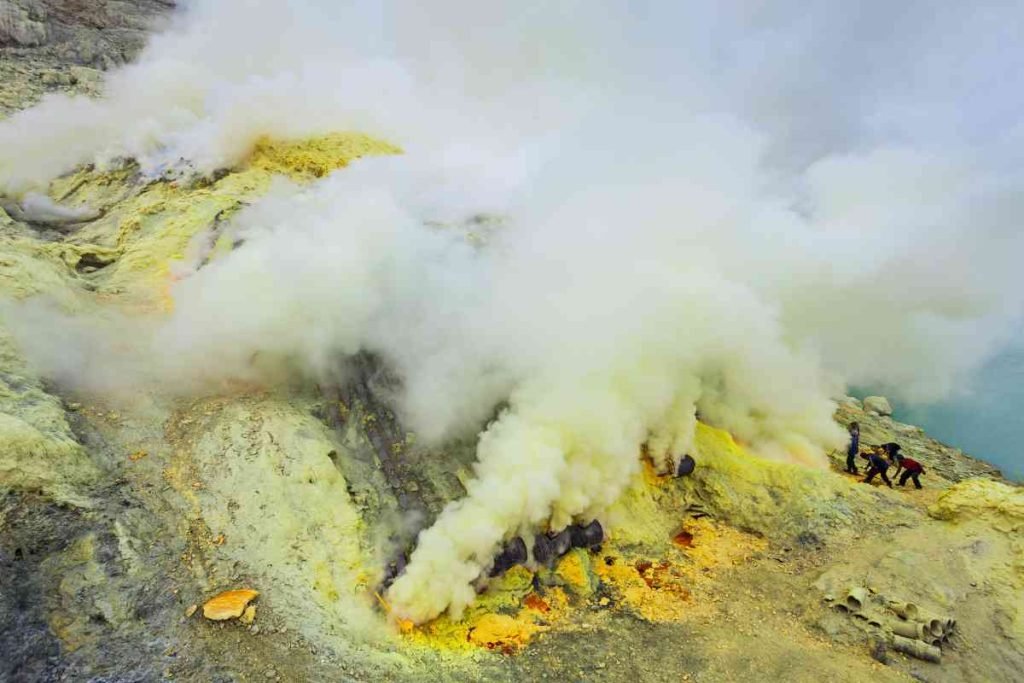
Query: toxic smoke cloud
point(733, 212)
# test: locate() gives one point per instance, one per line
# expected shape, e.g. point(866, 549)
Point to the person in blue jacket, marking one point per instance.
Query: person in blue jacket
point(854, 448)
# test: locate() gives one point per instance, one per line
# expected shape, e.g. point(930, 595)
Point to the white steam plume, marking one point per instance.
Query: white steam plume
point(684, 227)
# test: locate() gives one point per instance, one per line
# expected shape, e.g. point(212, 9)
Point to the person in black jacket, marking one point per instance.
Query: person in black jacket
point(877, 464)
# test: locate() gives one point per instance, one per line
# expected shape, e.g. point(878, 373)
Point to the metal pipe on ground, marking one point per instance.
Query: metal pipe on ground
point(872, 618)
point(909, 629)
point(936, 625)
point(917, 649)
point(856, 598)
point(905, 610)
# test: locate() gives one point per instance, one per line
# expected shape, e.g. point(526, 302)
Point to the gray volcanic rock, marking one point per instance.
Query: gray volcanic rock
point(64, 46)
point(877, 404)
point(22, 23)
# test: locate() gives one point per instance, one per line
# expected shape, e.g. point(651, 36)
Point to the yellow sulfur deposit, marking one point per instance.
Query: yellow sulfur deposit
point(504, 594)
point(648, 589)
point(713, 545)
point(658, 584)
point(146, 228)
point(650, 564)
point(502, 632)
point(316, 157)
point(982, 498)
point(575, 570)
point(505, 617)
point(776, 498)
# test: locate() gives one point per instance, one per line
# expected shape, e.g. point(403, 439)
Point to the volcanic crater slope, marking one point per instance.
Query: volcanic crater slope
point(121, 516)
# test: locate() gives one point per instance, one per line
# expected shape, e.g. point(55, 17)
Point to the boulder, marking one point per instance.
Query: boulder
point(877, 404)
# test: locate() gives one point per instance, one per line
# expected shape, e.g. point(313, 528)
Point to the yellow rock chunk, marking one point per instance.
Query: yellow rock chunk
point(502, 632)
point(982, 498)
point(228, 605)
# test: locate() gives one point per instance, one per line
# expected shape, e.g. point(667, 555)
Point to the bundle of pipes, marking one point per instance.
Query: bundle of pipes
point(914, 623)
point(856, 603)
point(916, 633)
point(546, 549)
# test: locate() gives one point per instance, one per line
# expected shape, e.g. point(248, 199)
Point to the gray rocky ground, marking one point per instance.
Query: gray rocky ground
point(66, 45)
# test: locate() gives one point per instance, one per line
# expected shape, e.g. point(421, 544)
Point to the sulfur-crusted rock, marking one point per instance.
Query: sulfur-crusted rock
point(775, 498)
point(39, 451)
point(995, 501)
point(877, 404)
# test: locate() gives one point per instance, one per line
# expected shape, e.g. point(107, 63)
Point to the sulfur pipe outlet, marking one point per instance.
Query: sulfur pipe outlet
point(513, 553)
point(562, 542)
point(542, 551)
point(589, 536)
point(856, 598)
point(915, 648)
point(394, 569)
point(548, 547)
point(686, 466)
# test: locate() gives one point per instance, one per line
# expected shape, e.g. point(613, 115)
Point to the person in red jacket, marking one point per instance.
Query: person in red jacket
point(912, 469)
